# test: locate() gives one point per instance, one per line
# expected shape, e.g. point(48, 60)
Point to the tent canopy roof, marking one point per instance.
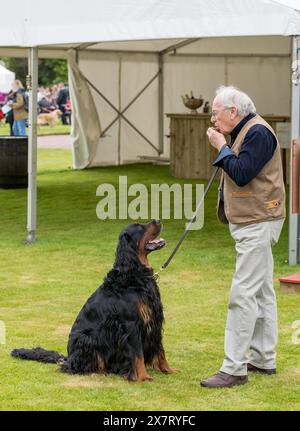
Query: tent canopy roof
point(151, 22)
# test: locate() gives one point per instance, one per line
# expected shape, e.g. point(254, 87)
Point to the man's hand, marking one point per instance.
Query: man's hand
point(216, 138)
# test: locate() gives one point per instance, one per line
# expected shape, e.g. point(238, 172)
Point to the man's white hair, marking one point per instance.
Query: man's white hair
point(232, 96)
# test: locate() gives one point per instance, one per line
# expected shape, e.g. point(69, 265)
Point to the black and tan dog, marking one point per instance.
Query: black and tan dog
point(119, 329)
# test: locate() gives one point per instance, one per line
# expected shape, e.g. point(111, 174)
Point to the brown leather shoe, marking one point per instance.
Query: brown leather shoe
point(223, 380)
point(255, 369)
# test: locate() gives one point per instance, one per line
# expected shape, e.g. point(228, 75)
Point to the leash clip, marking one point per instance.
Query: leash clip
point(156, 274)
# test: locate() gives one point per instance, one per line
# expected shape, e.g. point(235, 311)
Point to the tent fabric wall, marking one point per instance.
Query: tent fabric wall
point(250, 63)
point(120, 77)
point(86, 128)
point(246, 62)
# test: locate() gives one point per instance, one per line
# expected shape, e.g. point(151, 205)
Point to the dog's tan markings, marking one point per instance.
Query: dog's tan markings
point(101, 365)
point(144, 260)
point(145, 312)
point(160, 363)
point(140, 370)
point(147, 316)
point(150, 233)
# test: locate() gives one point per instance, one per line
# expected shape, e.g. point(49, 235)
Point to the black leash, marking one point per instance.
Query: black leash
point(164, 266)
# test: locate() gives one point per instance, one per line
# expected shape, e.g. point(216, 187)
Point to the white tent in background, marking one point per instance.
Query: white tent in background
point(6, 79)
point(133, 59)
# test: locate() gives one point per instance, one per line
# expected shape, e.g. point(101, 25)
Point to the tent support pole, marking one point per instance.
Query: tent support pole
point(160, 103)
point(120, 107)
point(294, 219)
point(32, 84)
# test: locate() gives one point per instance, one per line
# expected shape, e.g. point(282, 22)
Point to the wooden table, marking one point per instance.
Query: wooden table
point(191, 155)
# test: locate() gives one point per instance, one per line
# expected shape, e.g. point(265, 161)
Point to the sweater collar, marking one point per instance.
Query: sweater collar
point(239, 126)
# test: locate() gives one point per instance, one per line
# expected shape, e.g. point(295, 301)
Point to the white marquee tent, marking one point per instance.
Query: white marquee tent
point(130, 60)
point(6, 79)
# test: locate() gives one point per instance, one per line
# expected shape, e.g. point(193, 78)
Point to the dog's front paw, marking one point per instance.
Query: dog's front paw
point(165, 368)
point(145, 378)
point(168, 370)
point(133, 377)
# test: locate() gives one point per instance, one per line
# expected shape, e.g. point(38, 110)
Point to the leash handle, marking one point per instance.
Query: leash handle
point(212, 177)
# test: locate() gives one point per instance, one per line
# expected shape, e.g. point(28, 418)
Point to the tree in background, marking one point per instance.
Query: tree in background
point(17, 65)
point(51, 71)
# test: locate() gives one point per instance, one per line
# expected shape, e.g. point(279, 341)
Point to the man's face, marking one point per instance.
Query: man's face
point(224, 119)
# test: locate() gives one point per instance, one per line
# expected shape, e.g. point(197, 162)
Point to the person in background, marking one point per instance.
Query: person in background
point(61, 101)
point(19, 112)
point(54, 91)
point(46, 104)
point(9, 117)
point(41, 93)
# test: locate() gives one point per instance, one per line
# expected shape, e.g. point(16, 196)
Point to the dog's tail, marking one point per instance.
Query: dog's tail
point(39, 354)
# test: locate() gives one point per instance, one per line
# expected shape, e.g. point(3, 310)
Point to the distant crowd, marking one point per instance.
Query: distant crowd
point(50, 99)
point(55, 97)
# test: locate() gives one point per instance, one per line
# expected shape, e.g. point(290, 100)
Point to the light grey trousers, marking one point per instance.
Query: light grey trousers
point(251, 329)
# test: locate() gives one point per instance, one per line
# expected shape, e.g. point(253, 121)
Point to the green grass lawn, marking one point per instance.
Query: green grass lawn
point(43, 286)
point(58, 129)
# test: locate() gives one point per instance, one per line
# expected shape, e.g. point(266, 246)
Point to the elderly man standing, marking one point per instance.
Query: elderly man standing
point(252, 200)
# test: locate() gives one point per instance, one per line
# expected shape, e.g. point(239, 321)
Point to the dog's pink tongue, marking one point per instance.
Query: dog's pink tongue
point(155, 243)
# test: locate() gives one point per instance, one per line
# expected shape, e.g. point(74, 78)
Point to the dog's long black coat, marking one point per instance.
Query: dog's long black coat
point(121, 323)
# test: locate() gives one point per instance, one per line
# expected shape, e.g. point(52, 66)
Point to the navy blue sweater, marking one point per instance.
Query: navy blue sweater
point(257, 149)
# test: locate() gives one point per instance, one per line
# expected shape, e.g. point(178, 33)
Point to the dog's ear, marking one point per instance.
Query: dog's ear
point(126, 253)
